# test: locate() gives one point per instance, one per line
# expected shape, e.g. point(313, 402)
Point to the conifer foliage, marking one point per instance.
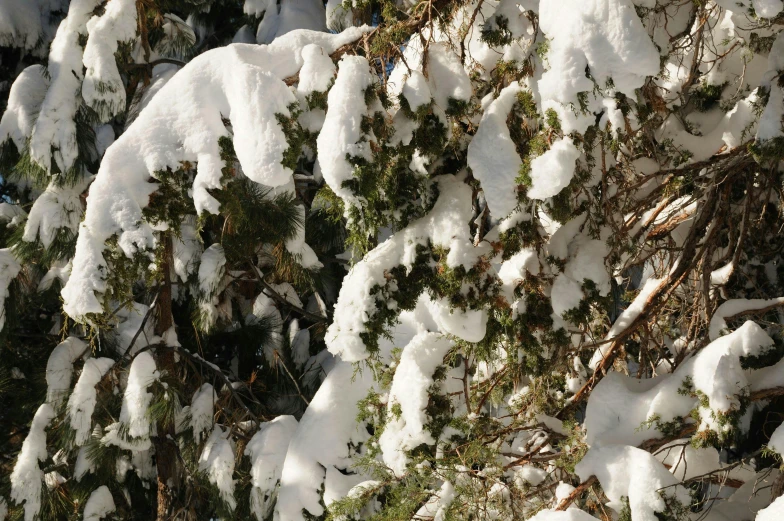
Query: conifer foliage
point(379, 260)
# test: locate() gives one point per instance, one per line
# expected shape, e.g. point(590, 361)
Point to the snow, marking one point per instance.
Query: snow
point(341, 134)
point(9, 269)
point(27, 477)
point(299, 340)
point(24, 101)
point(416, 91)
point(620, 405)
point(255, 7)
point(59, 369)
point(211, 269)
point(446, 225)
point(318, 70)
point(633, 473)
point(722, 275)
point(446, 76)
point(566, 294)
point(470, 325)
point(294, 14)
point(83, 463)
point(493, 157)
point(130, 323)
point(102, 88)
point(58, 208)
point(287, 291)
point(438, 504)
point(326, 431)
point(552, 171)
point(776, 441)
point(99, 505)
point(183, 122)
point(605, 35)
point(202, 410)
point(187, 249)
point(267, 451)
point(772, 512)
point(734, 307)
point(410, 384)
point(54, 133)
point(20, 25)
point(528, 474)
point(770, 125)
point(626, 318)
point(514, 270)
point(217, 461)
point(571, 514)
point(81, 403)
point(136, 401)
point(586, 263)
point(685, 462)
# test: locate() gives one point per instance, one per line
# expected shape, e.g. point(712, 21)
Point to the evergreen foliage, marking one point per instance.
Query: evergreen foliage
point(378, 260)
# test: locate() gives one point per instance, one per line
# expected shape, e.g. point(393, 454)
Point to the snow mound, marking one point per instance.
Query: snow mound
point(183, 122)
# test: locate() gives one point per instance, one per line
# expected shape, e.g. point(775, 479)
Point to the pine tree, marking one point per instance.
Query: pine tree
point(561, 223)
point(210, 324)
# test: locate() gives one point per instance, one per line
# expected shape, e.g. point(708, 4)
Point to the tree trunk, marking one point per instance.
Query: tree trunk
point(165, 449)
